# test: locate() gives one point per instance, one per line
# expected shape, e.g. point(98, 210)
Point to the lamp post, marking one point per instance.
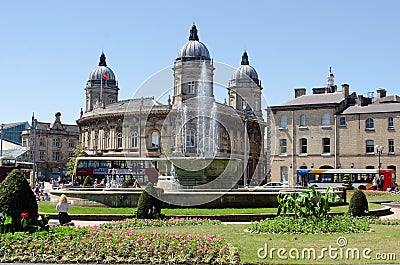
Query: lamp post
point(379, 149)
point(34, 127)
point(1, 147)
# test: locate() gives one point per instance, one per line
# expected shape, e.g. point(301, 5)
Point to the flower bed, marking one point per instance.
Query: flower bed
point(310, 225)
point(117, 242)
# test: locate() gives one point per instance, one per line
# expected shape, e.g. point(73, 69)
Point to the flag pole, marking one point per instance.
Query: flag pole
point(101, 91)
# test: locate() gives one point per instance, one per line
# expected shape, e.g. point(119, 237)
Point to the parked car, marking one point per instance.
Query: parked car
point(275, 185)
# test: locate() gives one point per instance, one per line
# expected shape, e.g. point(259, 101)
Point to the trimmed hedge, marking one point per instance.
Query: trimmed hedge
point(358, 204)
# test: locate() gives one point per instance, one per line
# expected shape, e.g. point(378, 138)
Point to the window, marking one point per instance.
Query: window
point(283, 146)
point(119, 140)
point(70, 154)
point(31, 141)
point(107, 141)
point(42, 141)
point(390, 123)
point(369, 146)
point(71, 143)
point(42, 155)
point(342, 121)
point(56, 142)
point(369, 124)
point(154, 139)
point(283, 123)
point(56, 156)
point(303, 146)
point(391, 146)
point(134, 140)
point(303, 120)
point(326, 120)
point(191, 88)
point(326, 145)
point(190, 136)
point(284, 174)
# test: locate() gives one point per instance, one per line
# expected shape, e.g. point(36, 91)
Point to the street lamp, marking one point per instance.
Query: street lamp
point(34, 127)
point(379, 149)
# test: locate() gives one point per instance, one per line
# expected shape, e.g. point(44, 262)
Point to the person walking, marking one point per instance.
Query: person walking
point(62, 208)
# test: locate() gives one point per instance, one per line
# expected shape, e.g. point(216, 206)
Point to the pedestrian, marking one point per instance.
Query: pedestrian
point(62, 208)
point(375, 183)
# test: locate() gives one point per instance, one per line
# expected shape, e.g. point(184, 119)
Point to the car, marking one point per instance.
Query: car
point(275, 185)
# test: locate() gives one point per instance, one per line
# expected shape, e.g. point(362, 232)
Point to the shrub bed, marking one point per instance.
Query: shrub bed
point(116, 243)
point(310, 225)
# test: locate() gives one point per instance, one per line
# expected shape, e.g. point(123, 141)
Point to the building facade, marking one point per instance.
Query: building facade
point(332, 129)
point(191, 124)
point(50, 145)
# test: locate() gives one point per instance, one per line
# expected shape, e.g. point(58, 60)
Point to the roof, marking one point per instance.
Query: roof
point(316, 99)
point(373, 108)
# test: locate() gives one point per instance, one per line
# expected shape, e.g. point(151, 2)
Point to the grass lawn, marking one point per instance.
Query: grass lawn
point(382, 241)
point(377, 196)
point(48, 207)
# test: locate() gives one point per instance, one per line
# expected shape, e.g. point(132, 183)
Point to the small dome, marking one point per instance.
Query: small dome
point(102, 75)
point(193, 49)
point(245, 70)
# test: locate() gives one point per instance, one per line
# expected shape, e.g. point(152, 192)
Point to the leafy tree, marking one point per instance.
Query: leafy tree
point(358, 204)
point(18, 200)
point(308, 203)
point(149, 206)
point(77, 152)
point(87, 182)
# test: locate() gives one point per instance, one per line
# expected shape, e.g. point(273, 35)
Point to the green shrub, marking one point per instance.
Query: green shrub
point(87, 182)
point(358, 204)
point(125, 184)
point(149, 206)
point(16, 197)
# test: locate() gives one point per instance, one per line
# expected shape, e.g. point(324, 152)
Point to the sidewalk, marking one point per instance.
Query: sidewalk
point(395, 208)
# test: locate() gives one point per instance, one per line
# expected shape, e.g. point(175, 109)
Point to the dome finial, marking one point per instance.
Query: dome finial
point(245, 59)
point(193, 33)
point(102, 59)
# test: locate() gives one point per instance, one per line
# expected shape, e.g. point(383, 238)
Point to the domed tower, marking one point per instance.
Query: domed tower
point(193, 70)
point(245, 88)
point(102, 87)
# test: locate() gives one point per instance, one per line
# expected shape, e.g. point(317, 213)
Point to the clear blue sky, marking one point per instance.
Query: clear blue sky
point(48, 48)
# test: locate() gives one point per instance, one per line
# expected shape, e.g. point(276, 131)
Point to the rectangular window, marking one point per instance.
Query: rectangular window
point(56, 156)
point(326, 145)
point(71, 143)
point(70, 154)
point(342, 121)
point(391, 146)
point(369, 146)
point(284, 174)
point(56, 142)
point(42, 155)
point(283, 146)
point(303, 146)
point(42, 141)
point(191, 88)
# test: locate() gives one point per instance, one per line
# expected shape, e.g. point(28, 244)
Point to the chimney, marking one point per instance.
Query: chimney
point(381, 93)
point(345, 91)
point(299, 92)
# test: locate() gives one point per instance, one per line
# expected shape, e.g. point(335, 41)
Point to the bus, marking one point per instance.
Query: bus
point(7, 164)
point(115, 170)
point(360, 178)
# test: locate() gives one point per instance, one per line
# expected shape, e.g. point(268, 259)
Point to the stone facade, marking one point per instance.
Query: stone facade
point(55, 143)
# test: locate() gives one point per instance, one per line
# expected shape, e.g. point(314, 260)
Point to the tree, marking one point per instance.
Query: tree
point(358, 204)
point(17, 199)
point(149, 206)
point(77, 152)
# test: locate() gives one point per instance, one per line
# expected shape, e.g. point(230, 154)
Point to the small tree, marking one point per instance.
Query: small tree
point(358, 204)
point(149, 206)
point(87, 182)
point(17, 199)
point(77, 152)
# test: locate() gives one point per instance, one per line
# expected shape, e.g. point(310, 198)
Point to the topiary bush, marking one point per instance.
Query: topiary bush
point(358, 204)
point(149, 206)
point(18, 200)
point(87, 181)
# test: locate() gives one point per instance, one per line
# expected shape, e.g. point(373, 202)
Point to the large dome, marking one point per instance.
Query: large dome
point(245, 71)
point(102, 75)
point(193, 49)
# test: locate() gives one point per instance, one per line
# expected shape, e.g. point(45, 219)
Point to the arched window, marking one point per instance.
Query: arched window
point(107, 141)
point(390, 123)
point(190, 138)
point(369, 124)
point(283, 123)
point(119, 140)
point(134, 140)
point(326, 119)
point(155, 139)
point(303, 120)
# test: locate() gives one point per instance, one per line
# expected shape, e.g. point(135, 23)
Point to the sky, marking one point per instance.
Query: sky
point(48, 48)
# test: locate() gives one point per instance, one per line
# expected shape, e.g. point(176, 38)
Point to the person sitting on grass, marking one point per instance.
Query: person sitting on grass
point(62, 208)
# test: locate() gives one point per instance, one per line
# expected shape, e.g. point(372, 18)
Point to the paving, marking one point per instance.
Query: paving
point(395, 209)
